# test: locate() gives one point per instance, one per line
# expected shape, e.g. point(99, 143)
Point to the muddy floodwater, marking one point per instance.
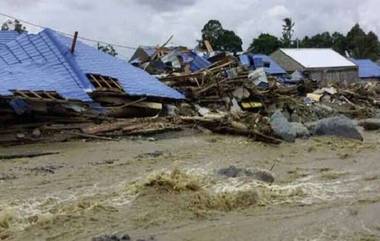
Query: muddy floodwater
point(170, 189)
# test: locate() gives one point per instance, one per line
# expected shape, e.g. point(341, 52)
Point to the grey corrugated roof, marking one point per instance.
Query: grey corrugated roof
point(318, 58)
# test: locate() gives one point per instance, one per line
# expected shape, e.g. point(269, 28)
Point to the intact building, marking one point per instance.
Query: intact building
point(323, 65)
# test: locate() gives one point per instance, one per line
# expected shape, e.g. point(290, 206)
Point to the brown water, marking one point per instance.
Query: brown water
point(325, 189)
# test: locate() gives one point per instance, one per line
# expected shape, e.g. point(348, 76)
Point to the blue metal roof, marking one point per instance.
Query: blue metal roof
point(44, 62)
point(367, 68)
point(34, 62)
point(258, 60)
point(7, 36)
point(135, 81)
point(196, 62)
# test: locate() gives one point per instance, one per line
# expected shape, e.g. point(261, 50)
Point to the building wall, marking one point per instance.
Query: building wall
point(287, 63)
point(334, 75)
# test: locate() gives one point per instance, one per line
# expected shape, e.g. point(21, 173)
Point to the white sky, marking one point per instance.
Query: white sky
point(149, 22)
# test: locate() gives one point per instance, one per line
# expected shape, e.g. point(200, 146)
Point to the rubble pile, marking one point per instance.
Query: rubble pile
point(229, 97)
point(83, 93)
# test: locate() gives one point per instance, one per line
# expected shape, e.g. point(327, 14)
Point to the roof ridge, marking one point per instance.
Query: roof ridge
point(84, 83)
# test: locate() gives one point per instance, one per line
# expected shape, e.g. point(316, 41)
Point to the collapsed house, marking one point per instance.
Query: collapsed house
point(160, 60)
point(368, 70)
point(46, 73)
point(322, 65)
point(53, 88)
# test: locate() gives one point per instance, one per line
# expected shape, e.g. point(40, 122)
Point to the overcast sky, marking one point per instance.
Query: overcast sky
point(149, 22)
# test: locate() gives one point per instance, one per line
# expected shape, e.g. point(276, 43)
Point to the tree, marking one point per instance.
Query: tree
point(322, 40)
point(108, 49)
point(287, 32)
point(265, 44)
point(339, 43)
point(219, 38)
point(15, 25)
point(362, 45)
point(373, 46)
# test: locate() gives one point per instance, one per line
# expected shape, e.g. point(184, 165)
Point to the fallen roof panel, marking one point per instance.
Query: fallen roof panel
point(135, 81)
point(32, 77)
point(274, 68)
point(44, 62)
point(7, 36)
point(33, 62)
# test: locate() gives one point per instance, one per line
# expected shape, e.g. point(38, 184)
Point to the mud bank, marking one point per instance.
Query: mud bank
point(170, 189)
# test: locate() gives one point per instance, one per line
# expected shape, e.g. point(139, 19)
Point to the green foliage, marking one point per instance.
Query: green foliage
point(287, 32)
point(15, 25)
point(265, 44)
point(219, 38)
point(339, 43)
point(108, 49)
point(357, 42)
point(362, 45)
point(322, 40)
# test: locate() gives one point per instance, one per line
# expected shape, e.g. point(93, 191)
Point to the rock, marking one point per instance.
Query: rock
point(282, 128)
point(288, 131)
point(258, 174)
point(36, 133)
point(370, 124)
point(337, 126)
point(300, 129)
point(264, 175)
point(112, 238)
point(230, 171)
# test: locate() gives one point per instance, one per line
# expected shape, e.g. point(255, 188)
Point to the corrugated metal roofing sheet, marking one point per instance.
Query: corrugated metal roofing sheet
point(274, 68)
point(367, 68)
point(135, 81)
point(196, 62)
point(44, 62)
point(318, 58)
point(34, 62)
point(7, 36)
point(258, 60)
point(149, 50)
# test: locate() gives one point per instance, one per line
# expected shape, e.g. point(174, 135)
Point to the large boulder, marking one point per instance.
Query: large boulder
point(286, 130)
point(340, 126)
point(370, 124)
point(300, 129)
point(282, 127)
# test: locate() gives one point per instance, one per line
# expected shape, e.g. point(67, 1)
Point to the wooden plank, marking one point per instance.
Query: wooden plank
point(95, 80)
point(105, 81)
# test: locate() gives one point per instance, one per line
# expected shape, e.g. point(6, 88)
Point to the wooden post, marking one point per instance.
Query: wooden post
point(74, 42)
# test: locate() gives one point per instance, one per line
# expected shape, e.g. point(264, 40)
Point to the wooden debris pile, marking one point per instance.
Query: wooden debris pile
point(110, 129)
